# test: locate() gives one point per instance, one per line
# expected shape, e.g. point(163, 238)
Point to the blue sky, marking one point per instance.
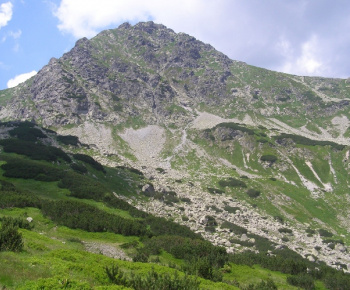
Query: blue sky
point(303, 37)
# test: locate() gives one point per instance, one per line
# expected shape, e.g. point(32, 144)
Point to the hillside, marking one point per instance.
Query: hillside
point(64, 224)
point(238, 154)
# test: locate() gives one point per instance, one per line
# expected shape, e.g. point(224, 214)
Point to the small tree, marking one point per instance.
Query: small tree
point(10, 239)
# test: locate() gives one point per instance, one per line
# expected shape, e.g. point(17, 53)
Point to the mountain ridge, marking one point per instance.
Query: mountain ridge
point(153, 47)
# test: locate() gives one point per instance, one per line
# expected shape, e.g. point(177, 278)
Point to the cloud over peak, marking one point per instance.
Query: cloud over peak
point(20, 79)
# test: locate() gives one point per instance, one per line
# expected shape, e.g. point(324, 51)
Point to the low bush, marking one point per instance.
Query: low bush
point(131, 169)
point(231, 209)
point(235, 126)
point(10, 238)
point(285, 230)
point(310, 231)
point(238, 230)
point(268, 158)
point(29, 169)
point(78, 215)
point(263, 285)
point(302, 280)
point(152, 280)
point(325, 233)
point(211, 221)
point(10, 199)
point(115, 202)
point(160, 226)
point(232, 182)
point(216, 209)
point(185, 199)
point(82, 186)
point(27, 133)
point(306, 141)
point(210, 229)
point(185, 218)
point(279, 219)
point(201, 257)
point(68, 140)
point(79, 168)
point(89, 160)
point(327, 241)
point(33, 150)
point(15, 222)
point(253, 193)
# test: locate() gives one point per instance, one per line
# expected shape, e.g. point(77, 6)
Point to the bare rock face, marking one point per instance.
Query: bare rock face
point(150, 73)
point(140, 71)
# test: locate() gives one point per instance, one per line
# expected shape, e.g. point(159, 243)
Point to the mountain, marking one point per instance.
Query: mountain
point(234, 152)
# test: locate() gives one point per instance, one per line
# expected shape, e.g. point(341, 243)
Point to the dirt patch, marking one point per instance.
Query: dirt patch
point(106, 250)
point(147, 143)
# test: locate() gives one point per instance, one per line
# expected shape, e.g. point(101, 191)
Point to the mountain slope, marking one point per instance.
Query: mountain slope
point(261, 150)
point(63, 226)
point(150, 73)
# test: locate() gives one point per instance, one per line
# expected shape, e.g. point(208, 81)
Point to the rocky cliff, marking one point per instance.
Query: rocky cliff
point(153, 74)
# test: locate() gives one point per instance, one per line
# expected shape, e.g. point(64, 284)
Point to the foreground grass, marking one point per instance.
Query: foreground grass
point(54, 257)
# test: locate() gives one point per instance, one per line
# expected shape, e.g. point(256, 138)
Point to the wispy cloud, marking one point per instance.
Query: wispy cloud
point(3, 66)
point(5, 13)
point(13, 34)
point(20, 79)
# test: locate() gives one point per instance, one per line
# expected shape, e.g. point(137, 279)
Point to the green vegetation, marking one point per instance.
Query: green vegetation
point(268, 158)
point(308, 142)
point(89, 160)
point(10, 238)
point(285, 230)
point(72, 204)
point(68, 140)
point(152, 280)
point(235, 126)
point(253, 193)
point(33, 150)
point(231, 209)
point(325, 233)
point(232, 182)
point(27, 133)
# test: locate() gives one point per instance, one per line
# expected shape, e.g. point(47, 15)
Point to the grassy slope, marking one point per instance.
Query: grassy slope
point(54, 256)
point(301, 205)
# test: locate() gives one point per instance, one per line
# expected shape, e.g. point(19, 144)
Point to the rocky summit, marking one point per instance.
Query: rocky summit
point(233, 151)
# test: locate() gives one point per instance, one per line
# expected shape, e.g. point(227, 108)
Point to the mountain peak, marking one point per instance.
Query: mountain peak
point(151, 69)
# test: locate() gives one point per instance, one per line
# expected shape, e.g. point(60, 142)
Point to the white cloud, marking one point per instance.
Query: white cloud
point(307, 61)
point(20, 79)
point(5, 13)
point(86, 17)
